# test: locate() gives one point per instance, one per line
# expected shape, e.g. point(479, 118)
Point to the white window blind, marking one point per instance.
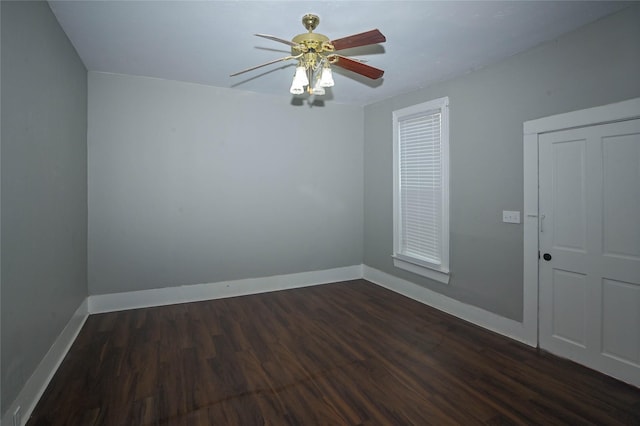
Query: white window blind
point(421, 189)
point(421, 186)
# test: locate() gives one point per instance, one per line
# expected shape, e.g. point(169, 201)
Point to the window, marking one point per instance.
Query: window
point(421, 189)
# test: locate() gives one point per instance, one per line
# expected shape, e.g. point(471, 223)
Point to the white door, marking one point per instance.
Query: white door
point(589, 270)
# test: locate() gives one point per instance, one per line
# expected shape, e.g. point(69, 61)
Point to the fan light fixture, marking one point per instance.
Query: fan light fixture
point(311, 51)
point(315, 55)
point(320, 79)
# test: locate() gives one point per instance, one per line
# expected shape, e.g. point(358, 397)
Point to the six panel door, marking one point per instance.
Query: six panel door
point(589, 232)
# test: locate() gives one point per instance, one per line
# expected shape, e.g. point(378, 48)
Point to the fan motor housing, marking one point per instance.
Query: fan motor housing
point(313, 42)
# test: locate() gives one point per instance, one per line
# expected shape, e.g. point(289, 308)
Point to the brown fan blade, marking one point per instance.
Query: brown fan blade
point(278, 39)
point(356, 40)
point(357, 67)
point(286, 58)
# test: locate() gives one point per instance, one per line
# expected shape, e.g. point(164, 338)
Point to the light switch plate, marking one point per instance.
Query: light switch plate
point(509, 216)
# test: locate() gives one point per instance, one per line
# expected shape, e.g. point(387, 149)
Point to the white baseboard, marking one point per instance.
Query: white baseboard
point(196, 292)
point(39, 380)
point(501, 325)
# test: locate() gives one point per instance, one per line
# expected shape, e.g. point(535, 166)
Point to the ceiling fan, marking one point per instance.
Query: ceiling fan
point(315, 55)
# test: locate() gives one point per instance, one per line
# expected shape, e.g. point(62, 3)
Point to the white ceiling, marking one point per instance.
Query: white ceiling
point(205, 41)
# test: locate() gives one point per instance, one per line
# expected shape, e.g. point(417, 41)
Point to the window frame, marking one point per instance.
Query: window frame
point(438, 272)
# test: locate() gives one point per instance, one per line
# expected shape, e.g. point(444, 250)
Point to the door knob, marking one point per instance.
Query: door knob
point(546, 257)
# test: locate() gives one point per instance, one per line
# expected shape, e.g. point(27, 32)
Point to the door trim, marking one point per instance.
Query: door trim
point(621, 111)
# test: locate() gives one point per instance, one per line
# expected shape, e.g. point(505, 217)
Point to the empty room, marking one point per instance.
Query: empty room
point(335, 213)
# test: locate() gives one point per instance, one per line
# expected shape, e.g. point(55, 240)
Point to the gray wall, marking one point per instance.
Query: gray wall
point(195, 184)
point(596, 65)
point(44, 191)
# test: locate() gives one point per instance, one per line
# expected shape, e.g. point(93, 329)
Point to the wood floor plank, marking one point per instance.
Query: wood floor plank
point(347, 353)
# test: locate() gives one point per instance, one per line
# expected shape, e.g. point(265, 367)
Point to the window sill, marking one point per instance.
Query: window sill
point(425, 271)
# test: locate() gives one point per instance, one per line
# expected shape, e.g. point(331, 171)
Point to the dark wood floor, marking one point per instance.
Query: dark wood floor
point(339, 354)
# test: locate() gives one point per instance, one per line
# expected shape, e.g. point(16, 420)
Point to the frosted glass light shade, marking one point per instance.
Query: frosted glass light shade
point(299, 81)
point(326, 79)
point(317, 89)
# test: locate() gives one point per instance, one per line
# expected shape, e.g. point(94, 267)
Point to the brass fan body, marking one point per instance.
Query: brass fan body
point(315, 42)
point(311, 44)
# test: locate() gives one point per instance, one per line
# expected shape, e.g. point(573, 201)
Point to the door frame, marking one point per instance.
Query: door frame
point(620, 111)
